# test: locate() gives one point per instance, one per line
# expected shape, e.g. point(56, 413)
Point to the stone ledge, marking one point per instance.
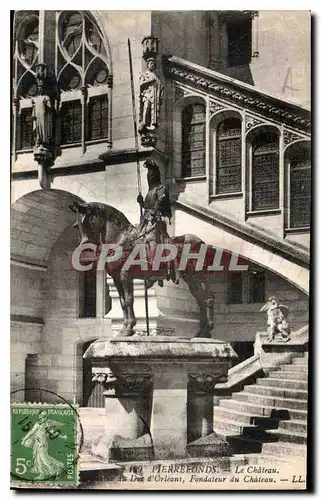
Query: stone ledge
point(160, 347)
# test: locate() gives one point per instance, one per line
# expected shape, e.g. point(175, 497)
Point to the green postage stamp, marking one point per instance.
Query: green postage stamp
point(44, 448)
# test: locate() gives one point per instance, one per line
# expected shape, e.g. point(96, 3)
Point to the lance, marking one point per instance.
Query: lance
point(139, 184)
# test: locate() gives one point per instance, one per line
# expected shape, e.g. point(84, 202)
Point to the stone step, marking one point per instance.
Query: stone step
point(306, 354)
point(293, 425)
point(285, 403)
point(246, 445)
point(243, 418)
point(288, 375)
point(288, 436)
point(283, 383)
point(296, 433)
point(294, 368)
point(261, 410)
point(300, 361)
point(274, 391)
point(283, 449)
point(229, 427)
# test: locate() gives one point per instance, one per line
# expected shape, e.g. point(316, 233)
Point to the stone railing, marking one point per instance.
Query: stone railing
point(267, 355)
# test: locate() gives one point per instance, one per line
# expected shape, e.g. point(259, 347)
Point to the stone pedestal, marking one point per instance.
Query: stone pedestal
point(162, 387)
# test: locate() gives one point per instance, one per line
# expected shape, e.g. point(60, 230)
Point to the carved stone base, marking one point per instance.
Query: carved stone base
point(148, 139)
point(43, 156)
point(166, 392)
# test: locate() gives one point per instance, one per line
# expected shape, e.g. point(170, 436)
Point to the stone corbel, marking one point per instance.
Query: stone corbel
point(203, 383)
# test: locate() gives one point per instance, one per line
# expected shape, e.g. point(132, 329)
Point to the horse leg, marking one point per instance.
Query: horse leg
point(128, 286)
point(202, 297)
point(120, 289)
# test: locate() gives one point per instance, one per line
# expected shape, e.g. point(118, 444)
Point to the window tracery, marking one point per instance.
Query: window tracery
point(74, 47)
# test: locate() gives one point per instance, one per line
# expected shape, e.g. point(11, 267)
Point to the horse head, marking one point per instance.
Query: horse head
point(90, 221)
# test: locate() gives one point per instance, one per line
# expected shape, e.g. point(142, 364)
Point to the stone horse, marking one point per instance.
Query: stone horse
point(99, 223)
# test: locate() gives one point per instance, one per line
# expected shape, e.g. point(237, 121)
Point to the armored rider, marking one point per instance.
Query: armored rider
point(156, 208)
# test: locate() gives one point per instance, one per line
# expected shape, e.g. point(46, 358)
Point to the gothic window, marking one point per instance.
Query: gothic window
point(300, 188)
point(239, 41)
point(25, 58)
point(97, 117)
point(193, 140)
point(75, 49)
point(265, 172)
point(26, 129)
point(71, 122)
point(228, 158)
point(83, 72)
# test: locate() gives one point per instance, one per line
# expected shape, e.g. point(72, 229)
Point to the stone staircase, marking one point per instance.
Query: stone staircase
point(268, 419)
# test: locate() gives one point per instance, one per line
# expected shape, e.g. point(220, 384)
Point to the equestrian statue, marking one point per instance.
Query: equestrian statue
point(100, 223)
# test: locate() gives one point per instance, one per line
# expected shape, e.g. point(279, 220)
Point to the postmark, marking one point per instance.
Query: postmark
point(44, 444)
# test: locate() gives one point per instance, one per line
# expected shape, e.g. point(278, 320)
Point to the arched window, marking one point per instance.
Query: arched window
point(300, 187)
point(83, 73)
point(228, 157)
point(193, 140)
point(265, 172)
point(73, 46)
point(26, 51)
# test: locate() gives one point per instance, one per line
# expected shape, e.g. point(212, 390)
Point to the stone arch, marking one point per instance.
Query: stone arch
point(37, 220)
point(305, 142)
point(255, 252)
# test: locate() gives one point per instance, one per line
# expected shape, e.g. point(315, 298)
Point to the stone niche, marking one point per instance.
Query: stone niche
point(159, 396)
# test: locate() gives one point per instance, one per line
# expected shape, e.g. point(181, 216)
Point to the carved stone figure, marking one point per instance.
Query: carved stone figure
point(150, 98)
point(278, 326)
point(44, 112)
point(42, 119)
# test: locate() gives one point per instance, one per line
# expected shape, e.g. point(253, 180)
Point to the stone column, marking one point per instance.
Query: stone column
point(127, 405)
point(110, 81)
point(168, 420)
point(200, 405)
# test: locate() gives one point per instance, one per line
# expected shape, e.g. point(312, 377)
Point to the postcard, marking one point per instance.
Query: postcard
point(160, 241)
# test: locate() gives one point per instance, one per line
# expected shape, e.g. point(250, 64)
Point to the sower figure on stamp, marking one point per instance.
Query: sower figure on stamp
point(156, 208)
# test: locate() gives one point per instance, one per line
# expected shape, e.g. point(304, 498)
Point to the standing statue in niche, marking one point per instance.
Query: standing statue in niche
point(151, 91)
point(44, 112)
point(42, 119)
point(151, 95)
